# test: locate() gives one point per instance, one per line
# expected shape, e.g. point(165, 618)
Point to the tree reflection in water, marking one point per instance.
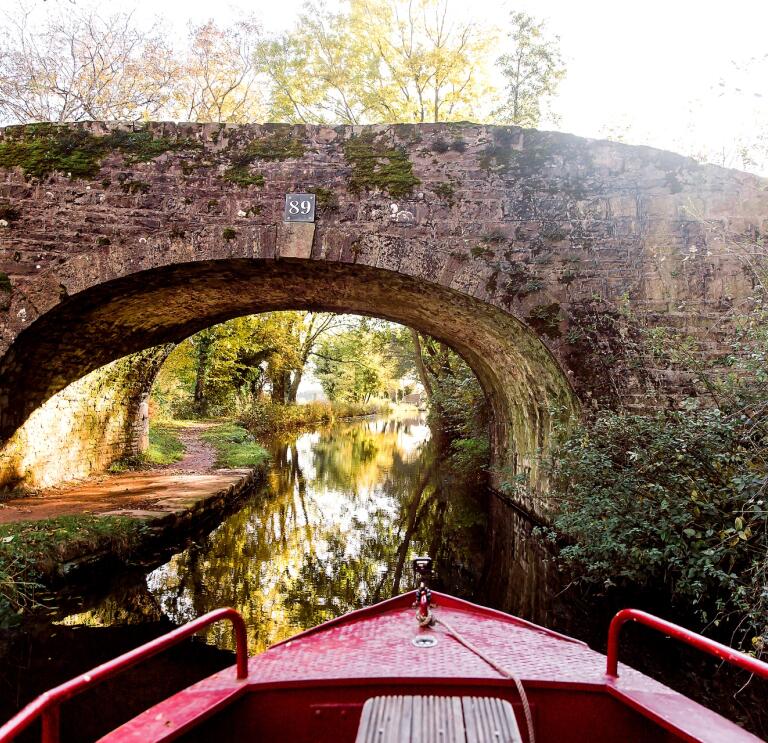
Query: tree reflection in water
point(343, 511)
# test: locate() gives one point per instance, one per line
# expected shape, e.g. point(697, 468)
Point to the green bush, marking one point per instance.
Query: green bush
point(671, 503)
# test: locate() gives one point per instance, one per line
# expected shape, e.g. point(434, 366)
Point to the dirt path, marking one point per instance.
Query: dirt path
point(142, 494)
point(199, 456)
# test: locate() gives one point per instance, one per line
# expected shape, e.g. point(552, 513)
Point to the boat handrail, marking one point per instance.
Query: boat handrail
point(47, 705)
point(735, 657)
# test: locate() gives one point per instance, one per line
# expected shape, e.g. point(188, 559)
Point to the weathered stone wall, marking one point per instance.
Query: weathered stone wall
point(536, 255)
point(83, 429)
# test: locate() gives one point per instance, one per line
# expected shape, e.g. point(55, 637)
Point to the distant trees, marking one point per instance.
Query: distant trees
point(217, 75)
point(229, 367)
point(532, 69)
point(393, 61)
point(354, 365)
point(80, 65)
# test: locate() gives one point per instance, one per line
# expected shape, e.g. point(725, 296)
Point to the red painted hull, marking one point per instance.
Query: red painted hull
point(312, 687)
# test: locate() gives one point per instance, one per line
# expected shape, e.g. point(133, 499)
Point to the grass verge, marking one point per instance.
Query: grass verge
point(165, 446)
point(31, 552)
point(235, 447)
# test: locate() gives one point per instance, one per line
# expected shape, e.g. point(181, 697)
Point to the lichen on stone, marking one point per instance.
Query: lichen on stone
point(377, 165)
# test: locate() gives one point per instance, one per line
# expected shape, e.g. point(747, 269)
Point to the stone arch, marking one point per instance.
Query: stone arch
point(111, 319)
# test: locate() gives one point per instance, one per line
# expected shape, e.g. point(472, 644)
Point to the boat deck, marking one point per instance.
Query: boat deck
point(418, 719)
point(317, 682)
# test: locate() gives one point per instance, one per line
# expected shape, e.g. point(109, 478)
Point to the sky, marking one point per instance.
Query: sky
point(647, 72)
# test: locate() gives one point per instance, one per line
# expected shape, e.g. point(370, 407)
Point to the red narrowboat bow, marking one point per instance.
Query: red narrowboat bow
point(455, 672)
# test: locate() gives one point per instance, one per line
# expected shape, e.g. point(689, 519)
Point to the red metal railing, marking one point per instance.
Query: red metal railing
point(47, 705)
point(747, 662)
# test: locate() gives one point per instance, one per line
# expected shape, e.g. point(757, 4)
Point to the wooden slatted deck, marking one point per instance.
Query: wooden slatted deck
point(430, 719)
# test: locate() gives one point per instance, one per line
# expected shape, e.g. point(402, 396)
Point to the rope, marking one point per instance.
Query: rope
point(503, 671)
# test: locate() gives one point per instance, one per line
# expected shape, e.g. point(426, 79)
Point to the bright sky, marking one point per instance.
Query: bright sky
point(645, 69)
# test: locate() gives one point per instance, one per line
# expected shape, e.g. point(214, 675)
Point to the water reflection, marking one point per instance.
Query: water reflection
point(343, 511)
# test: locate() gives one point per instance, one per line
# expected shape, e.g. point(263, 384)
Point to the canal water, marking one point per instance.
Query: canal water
point(343, 511)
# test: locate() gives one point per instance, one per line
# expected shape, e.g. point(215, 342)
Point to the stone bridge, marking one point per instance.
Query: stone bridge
point(536, 255)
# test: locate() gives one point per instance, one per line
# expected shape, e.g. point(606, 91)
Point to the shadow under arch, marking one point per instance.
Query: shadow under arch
point(521, 378)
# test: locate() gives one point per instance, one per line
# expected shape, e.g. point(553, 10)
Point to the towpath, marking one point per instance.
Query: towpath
point(145, 494)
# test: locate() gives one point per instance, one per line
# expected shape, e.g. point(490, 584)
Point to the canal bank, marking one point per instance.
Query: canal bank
point(62, 537)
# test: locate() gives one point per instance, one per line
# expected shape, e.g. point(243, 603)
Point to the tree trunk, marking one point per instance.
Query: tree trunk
point(203, 358)
point(293, 387)
point(422, 370)
point(278, 388)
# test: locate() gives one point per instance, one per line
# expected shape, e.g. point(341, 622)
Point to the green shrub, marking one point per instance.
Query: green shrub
point(671, 503)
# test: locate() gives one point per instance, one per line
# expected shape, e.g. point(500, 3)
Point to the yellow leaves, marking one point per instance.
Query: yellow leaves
point(217, 76)
point(391, 61)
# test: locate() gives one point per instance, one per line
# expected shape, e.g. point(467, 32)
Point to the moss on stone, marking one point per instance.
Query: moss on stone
point(545, 319)
point(498, 154)
point(241, 176)
point(439, 145)
point(229, 233)
point(375, 165)
point(481, 251)
point(42, 149)
point(134, 187)
point(520, 282)
point(553, 231)
point(5, 282)
point(326, 200)
point(278, 144)
point(141, 146)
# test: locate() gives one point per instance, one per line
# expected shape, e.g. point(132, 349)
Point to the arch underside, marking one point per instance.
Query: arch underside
point(522, 380)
